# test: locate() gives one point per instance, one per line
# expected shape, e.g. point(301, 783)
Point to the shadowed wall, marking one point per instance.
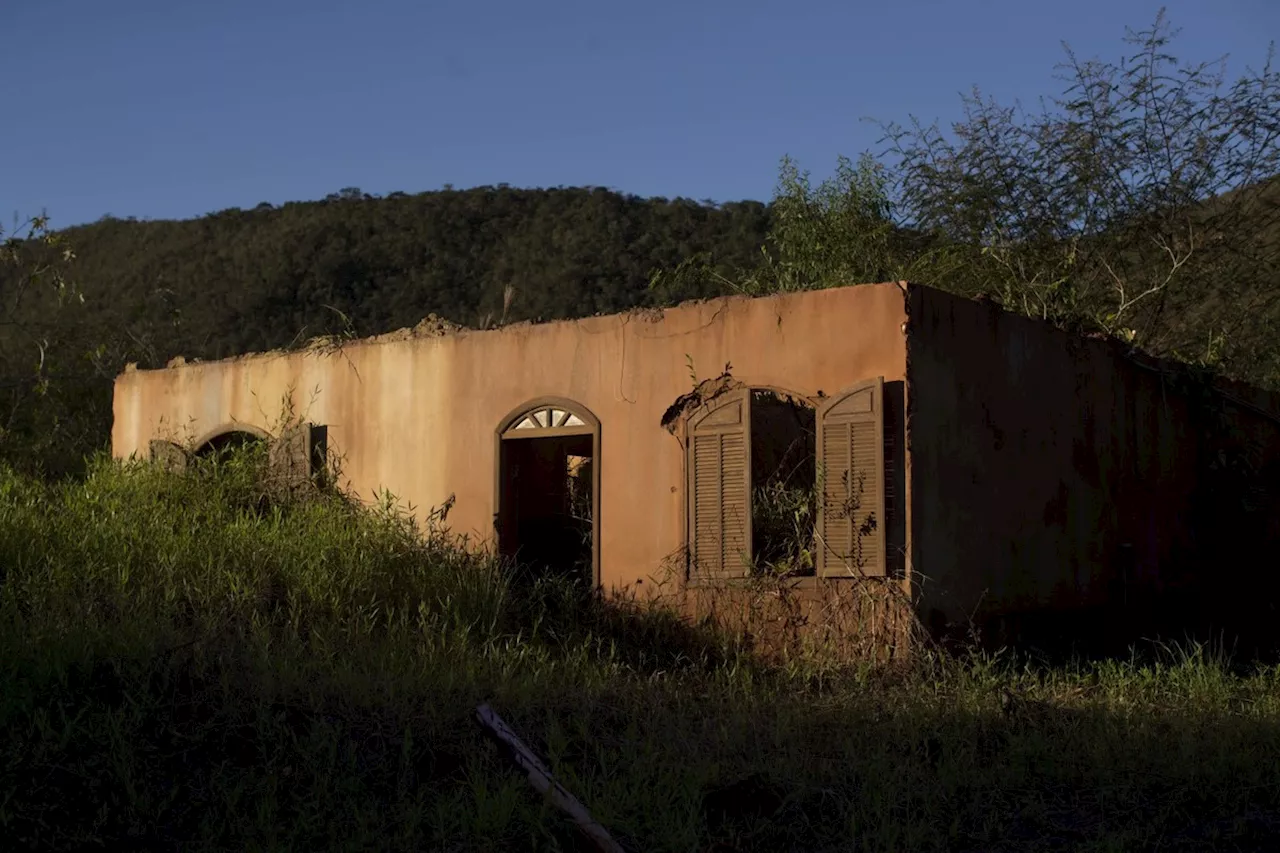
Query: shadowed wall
point(1064, 491)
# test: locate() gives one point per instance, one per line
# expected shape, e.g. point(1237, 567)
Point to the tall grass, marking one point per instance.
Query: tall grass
point(191, 661)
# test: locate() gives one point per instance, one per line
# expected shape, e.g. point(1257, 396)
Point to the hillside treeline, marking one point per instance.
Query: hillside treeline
point(250, 280)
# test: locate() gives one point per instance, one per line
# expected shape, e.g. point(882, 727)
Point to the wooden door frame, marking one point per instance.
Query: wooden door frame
point(507, 431)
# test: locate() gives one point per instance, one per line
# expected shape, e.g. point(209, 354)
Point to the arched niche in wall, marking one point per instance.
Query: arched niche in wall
point(295, 457)
point(228, 437)
point(547, 488)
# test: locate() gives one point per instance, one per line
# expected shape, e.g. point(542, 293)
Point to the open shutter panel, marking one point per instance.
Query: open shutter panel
point(851, 516)
point(291, 454)
point(168, 455)
point(719, 488)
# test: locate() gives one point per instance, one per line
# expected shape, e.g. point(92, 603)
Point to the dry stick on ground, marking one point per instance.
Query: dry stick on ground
point(542, 779)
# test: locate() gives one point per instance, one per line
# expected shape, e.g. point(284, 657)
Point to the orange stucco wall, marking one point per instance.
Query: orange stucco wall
point(417, 415)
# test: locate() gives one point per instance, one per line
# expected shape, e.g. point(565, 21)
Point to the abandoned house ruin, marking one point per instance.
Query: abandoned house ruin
point(890, 454)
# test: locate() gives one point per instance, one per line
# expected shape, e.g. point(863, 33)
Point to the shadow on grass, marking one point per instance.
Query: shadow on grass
point(184, 666)
point(571, 617)
point(220, 748)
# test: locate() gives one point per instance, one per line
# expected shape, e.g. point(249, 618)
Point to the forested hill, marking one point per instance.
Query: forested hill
point(251, 280)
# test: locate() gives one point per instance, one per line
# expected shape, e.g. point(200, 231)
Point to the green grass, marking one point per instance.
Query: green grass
point(187, 662)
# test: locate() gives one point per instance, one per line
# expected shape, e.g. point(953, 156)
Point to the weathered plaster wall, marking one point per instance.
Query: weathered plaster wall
point(842, 619)
point(1057, 484)
point(417, 415)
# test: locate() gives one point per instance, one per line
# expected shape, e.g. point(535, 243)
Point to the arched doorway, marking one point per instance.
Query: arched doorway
point(548, 489)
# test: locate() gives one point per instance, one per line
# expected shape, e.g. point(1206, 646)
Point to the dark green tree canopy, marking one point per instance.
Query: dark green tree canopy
point(252, 280)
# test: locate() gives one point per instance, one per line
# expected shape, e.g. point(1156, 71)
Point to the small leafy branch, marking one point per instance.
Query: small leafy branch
point(35, 256)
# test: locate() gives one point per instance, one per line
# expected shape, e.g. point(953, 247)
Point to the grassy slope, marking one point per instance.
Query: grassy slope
point(182, 661)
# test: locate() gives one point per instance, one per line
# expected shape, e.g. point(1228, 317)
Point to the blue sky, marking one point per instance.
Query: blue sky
point(168, 109)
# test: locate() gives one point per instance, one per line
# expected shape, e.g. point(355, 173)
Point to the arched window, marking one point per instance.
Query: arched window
point(777, 484)
point(750, 484)
point(547, 498)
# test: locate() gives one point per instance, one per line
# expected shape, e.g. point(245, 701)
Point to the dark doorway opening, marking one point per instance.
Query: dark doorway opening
point(548, 490)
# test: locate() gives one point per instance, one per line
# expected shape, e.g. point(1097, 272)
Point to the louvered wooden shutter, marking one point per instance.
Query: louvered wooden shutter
point(851, 519)
point(719, 488)
point(291, 454)
point(168, 455)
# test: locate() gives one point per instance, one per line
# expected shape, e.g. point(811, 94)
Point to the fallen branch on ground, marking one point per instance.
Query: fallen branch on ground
point(541, 779)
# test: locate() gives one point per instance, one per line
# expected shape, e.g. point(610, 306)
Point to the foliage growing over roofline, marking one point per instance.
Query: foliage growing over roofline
point(1141, 202)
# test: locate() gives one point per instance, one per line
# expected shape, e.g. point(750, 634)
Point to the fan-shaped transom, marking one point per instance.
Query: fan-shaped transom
point(548, 418)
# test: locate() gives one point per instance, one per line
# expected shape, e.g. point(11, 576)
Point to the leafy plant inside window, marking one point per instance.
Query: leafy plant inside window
point(784, 497)
point(783, 520)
